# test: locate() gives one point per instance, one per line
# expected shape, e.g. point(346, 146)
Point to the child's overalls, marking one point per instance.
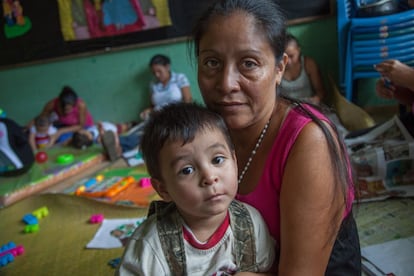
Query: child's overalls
point(169, 226)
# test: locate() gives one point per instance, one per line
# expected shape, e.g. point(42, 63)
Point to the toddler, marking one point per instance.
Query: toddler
point(198, 228)
point(42, 134)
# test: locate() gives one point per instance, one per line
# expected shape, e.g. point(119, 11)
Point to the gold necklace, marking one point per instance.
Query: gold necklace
point(258, 143)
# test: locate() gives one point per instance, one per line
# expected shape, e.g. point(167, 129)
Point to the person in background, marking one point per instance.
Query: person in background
point(198, 228)
point(68, 113)
point(167, 87)
point(302, 78)
point(397, 83)
point(112, 137)
point(294, 167)
point(16, 155)
point(42, 134)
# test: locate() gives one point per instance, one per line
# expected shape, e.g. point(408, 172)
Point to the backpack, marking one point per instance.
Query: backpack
point(16, 155)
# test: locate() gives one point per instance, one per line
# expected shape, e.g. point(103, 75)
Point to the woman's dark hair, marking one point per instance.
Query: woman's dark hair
point(177, 122)
point(67, 97)
point(268, 16)
point(291, 38)
point(159, 60)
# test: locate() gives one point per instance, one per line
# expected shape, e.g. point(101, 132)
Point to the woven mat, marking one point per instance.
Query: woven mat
point(386, 220)
point(59, 246)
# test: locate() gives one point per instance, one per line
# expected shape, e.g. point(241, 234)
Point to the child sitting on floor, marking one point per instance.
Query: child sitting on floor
point(42, 134)
point(108, 134)
point(199, 229)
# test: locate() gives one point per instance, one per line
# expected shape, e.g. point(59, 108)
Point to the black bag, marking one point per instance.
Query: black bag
point(377, 8)
point(16, 155)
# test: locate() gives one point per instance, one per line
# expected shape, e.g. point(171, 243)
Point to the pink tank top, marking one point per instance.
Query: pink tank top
point(72, 118)
point(266, 195)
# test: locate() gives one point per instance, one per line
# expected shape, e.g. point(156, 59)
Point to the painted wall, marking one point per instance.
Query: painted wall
point(115, 84)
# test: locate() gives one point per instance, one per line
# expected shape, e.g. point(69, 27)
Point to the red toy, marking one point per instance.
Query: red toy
point(41, 157)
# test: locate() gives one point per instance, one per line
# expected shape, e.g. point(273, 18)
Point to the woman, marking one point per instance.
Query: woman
point(70, 112)
point(167, 87)
point(293, 167)
point(302, 78)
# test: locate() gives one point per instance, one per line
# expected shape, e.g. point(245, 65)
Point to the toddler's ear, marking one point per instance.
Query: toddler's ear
point(161, 189)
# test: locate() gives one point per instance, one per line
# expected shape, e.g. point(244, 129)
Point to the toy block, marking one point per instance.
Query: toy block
point(11, 248)
point(6, 259)
point(114, 263)
point(41, 212)
point(30, 219)
point(31, 228)
point(145, 182)
point(8, 251)
point(96, 218)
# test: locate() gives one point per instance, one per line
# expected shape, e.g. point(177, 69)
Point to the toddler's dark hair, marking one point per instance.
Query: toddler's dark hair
point(177, 122)
point(80, 140)
point(41, 121)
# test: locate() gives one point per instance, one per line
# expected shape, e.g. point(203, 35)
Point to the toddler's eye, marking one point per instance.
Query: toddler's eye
point(218, 159)
point(187, 170)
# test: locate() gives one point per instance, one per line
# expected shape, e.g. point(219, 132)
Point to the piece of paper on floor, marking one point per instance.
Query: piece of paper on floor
point(392, 257)
point(113, 233)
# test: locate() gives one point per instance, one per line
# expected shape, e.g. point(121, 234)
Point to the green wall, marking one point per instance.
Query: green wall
point(115, 84)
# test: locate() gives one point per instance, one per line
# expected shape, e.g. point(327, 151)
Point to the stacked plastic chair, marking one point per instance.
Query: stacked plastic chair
point(366, 41)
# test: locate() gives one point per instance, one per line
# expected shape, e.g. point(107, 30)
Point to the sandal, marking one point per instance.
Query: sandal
point(108, 142)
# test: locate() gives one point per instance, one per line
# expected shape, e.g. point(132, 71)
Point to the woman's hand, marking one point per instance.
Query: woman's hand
point(397, 72)
point(385, 89)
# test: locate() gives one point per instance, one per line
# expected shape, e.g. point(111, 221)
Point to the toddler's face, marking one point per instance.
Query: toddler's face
point(42, 129)
point(200, 176)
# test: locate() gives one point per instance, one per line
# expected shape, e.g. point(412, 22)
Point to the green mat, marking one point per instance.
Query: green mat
point(59, 246)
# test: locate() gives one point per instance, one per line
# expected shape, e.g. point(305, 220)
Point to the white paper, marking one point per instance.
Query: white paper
point(103, 238)
point(395, 256)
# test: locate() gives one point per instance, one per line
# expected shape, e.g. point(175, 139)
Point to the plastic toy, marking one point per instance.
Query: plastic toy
point(65, 159)
point(8, 252)
point(41, 212)
point(31, 228)
point(89, 183)
point(41, 157)
point(145, 182)
point(30, 219)
point(4, 260)
point(12, 249)
point(96, 218)
point(111, 191)
point(114, 263)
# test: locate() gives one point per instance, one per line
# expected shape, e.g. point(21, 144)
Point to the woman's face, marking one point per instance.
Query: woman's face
point(161, 72)
point(237, 70)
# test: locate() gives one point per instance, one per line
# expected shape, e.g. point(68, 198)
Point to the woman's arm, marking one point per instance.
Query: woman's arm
point(82, 113)
point(315, 77)
point(187, 97)
point(311, 208)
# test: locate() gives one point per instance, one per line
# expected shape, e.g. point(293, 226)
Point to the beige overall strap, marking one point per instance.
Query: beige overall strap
point(243, 231)
point(169, 226)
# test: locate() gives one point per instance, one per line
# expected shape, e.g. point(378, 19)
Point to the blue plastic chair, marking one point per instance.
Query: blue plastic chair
point(364, 42)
